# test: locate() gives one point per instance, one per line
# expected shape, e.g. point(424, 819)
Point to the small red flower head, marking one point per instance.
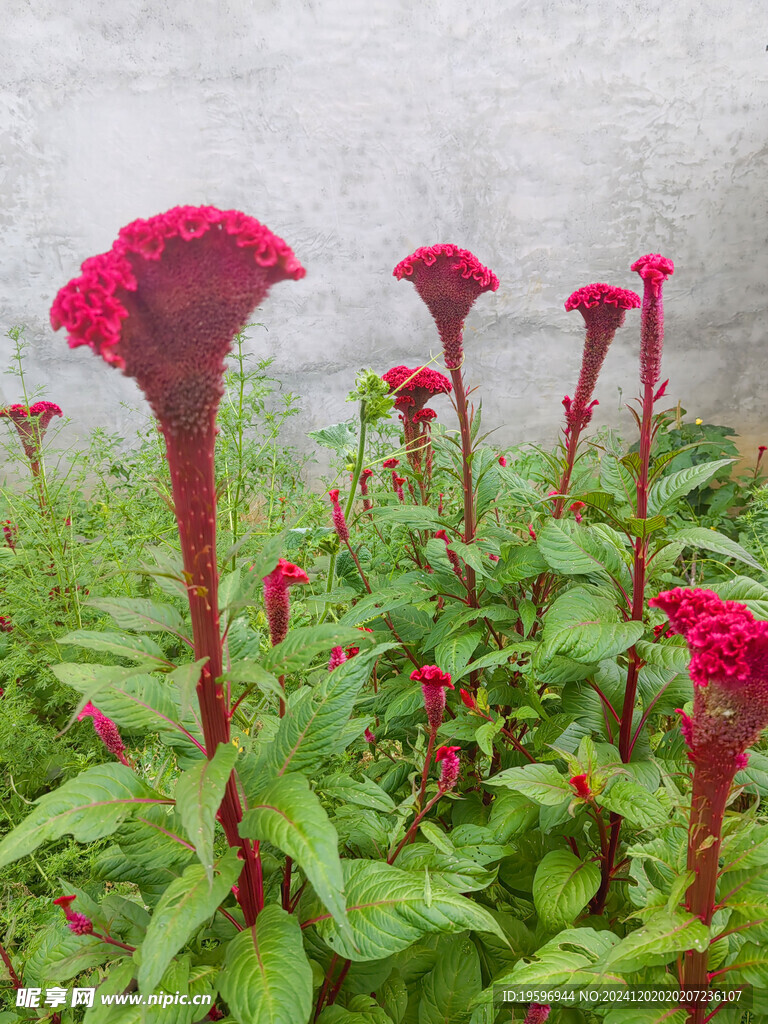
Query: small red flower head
point(502, 461)
point(369, 737)
point(338, 657)
point(449, 774)
point(581, 786)
point(576, 508)
point(165, 302)
point(337, 514)
point(538, 1013)
point(276, 601)
point(604, 309)
point(434, 683)
point(365, 476)
point(31, 422)
point(6, 626)
point(729, 668)
point(106, 730)
point(390, 463)
point(77, 923)
point(448, 280)
point(654, 270)
point(467, 699)
point(412, 389)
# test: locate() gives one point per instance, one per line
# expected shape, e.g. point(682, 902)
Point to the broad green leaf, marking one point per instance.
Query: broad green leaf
point(340, 437)
point(88, 807)
point(199, 793)
point(583, 626)
point(617, 480)
point(633, 802)
point(751, 966)
point(567, 959)
point(136, 648)
point(562, 887)
point(513, 814)
point(657, 943)
point(361, 1009)
point(141, 614)
point(576, 550)
point(418, 517)
point(437, 837)
point(387, 911)
point(453, 654)
point(184, 906)
point(495, 658)
point(643, 528)
point(289, 815)
point(541, 783)
point(363, 792)
point(304, 643)
point(310, 730)
point(266, 978)
point(452, 984)
point(711, 540)
point(743, 588)
point(666, 492)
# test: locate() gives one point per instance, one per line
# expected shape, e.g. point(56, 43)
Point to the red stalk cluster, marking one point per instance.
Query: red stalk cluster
point(164, 305)
point(412, 389)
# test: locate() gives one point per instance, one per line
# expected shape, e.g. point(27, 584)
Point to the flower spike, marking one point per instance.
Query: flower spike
point(654, 270)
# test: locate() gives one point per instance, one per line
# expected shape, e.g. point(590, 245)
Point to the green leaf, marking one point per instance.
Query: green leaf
point(562, 886)
point(644, 527)
point(363, 793)
point(387, 911)
point(567, 959)
point(452, 984)
point(418, 517)
point(199, 793)
point(743, 588)
point(304, 643)
point(437, 837)
point(361, 1009)
point(339, 437)
point(453, 654)
point(184, 906)
point(633, 802)
point(266, 976)
point(136, 648)
point(289, 815)
point(711, 540)
point(576, 550)
point(88, 807)
point(310, 730)
point(617, 480)
point(582, 626)
point(495, 658)
point(541, 783)
point(657, 943)
point(666, 492)
point(141, 614)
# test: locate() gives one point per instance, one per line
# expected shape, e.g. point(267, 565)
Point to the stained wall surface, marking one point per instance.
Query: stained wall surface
point(558, 141)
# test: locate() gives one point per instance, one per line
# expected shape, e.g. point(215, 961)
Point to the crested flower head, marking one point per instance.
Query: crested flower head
point(468, 700)
point(31, 422)
point(77, 923)
point(434, 683)
point(165, 302)
point(581, 786)
point(729, 668)
point(448, 757)
point(276, 601)
point(106, 730)
point(338, 657)
point(654, 270)
point(337, 514)
point(448, 280)
point(604, 309)
point(412, 389)
point(538, 1013)
point(390, 463)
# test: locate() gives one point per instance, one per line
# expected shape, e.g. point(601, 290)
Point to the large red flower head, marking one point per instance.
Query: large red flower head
point(604, 309)
point(729, 667)
point(31, 422)
point(654, 270)
point(412, 389)
point(448, 279)
point(165, 302)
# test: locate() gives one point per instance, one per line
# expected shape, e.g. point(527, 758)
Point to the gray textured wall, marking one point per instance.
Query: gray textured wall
point(557, 140)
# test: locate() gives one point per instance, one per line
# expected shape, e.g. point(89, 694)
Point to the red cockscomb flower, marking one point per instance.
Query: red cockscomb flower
point(654, 270)
point(468, 700)
point(538, 1013)
point(106, 730)
point(419, 385)
point(729, 668)
point(276, 601)
point(449, 774)
point(581, 786)
point(604, 309)
point(337, 514)
point(453, 558)
point(77, 923)
point(338, 657)
point(434, 683)
point(448, 280)
point(390, 463)
point(31, 422)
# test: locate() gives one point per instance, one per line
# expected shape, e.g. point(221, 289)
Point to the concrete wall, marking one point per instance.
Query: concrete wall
point(559, 141)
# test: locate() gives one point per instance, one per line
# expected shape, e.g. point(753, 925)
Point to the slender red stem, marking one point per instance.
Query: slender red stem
point(462, 410)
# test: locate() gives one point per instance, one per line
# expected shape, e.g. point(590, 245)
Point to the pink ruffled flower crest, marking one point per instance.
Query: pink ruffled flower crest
point(729, 669)
point(77, 923)
point(449, 280)
point(31, 422)
point(106, 730)
point(603, 308)
point(434, 683)
point(166, 301)
point(448, 758)
point(337, 515)
point(538, 1013)
point(412, 389)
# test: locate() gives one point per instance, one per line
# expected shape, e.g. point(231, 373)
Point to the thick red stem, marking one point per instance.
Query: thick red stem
point(462, 409)
point(190, 459)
